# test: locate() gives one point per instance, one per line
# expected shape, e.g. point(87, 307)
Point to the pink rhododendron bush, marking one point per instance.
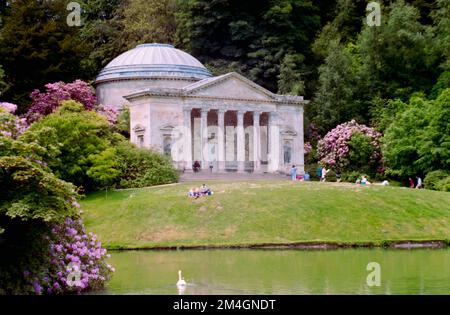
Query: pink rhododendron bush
point(11, 125)
point(351, 146)
point(44, 103)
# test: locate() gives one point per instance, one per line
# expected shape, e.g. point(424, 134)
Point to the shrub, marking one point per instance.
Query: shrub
point(351, 176)
point(11, 125)
point(40, 232)
point(311, 169)
point(80, 143)
point(347, 143)
point(433, 179)
point(143, 167)
point(444, 184)
point(331, 175)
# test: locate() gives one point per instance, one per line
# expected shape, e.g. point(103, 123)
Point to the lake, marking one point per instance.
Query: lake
point(225, 272)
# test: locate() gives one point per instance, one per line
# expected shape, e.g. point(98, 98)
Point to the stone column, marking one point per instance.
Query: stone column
point(221, 139)
point(187, 150)
point(301, 141)
point(256, 143)
point(274, 143)
point(240, 141)
point(204, 137)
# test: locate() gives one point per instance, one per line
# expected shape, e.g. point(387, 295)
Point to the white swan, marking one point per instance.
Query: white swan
point(181, 282)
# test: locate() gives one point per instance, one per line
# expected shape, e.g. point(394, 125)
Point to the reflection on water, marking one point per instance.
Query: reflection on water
point(280, 272)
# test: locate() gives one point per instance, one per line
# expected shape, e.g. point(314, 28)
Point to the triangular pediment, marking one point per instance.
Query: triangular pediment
point(230, 85)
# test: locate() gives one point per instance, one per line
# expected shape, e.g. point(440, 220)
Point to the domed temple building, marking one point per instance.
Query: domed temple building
point(226, 122)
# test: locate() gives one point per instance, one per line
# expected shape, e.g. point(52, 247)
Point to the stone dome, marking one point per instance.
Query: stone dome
point(153, 61)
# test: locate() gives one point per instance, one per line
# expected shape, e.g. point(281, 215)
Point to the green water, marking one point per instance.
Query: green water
point(419, 271)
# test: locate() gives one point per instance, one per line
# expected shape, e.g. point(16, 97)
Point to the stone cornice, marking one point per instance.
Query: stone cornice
point(178, 93)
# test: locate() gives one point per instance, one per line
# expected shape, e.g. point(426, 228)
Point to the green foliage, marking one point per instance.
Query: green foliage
point(433, 179)
point(148, 21)
point(104, 167)
point(334, 102)
point(441, 29)
point(363, 72)
point(3, 84)
point(360, 153)
point(444, 184)
point(142, 167)
point(123, 122)
point(28, 189)
point(351, 176)
point(35, 35)
point(255, 35)
point(418, 141)
point(289, 79)
point(100, 31)
point(79, 142)
point(343, 28)
point(395, 56)
point(443, 82)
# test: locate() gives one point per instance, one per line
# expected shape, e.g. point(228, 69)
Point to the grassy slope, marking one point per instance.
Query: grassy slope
point(266, 212)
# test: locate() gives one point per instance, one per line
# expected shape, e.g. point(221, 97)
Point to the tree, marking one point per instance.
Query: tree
point(37, 46)
point(3, 84)
point(344, 28)
point(148, 21)
point(441, 29)
point(254, 36)
point(335, 100)
point(395, 55)
point(101, 28)
point(418, 140)
point(289, 79)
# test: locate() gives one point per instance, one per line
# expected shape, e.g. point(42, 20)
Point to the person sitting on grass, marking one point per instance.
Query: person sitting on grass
point(191, 193)
point(358, 181)
point(205, 191)
point(364, 181)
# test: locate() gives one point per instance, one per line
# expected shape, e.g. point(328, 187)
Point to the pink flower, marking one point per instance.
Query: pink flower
point(9, 107)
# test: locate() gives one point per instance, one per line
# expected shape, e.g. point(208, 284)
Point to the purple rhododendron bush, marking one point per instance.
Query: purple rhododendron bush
point(76, 262)
point(45, 103)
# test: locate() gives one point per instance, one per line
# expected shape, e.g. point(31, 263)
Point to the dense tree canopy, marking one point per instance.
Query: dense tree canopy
point(37, 46)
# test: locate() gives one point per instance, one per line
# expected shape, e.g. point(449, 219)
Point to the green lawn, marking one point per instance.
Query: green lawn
point(266, 212)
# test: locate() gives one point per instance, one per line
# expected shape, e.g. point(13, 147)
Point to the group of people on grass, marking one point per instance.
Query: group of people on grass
point(196, 192)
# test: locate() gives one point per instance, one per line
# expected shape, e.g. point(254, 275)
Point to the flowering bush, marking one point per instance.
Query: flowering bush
point(44, 103)
point(307, 148)
point(11, 125)
point(109, 112)
point(77, 262)
point(335, 148)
